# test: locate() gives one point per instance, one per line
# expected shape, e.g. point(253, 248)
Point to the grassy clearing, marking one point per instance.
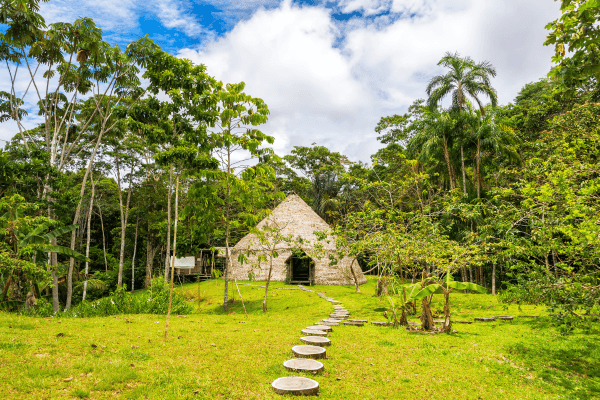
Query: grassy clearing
point(210, 355)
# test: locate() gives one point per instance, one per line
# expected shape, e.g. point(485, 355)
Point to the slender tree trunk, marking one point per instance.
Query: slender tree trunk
point(494, 278)
point(77, 214)
point(477, 166)
point(150, 252)
point(134, 251)
point(464, 173)
point(124, 217)
point(54, 263)
point(227, 251)
point(103, 239)
point(449, 165)
point(268, 281)
point(354, 276)
point(173, 258)
point(88, 239)
point(168, 257)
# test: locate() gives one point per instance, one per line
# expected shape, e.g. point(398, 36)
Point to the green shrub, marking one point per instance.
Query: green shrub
point(122, 302)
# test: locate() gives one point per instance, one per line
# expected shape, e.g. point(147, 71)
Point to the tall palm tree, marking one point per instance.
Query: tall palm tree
point(436, 133)
point(466, 79)
point(490, 138)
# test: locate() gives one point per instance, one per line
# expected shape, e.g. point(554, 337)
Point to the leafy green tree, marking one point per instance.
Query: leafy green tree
point(466, 79)
point(323, 169)
point(236, 185)
point(575, 36)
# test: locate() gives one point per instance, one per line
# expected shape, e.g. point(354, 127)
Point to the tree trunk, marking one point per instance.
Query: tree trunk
point(227, 252)
point(426, 316)
point(103, 239)
point(494, 278)
point(447, 328)
point(449, 165)
point(173, 258)
point(464, 173)
point(134, 251)
point(77, 214)
point(354, 276)
point(478, 163)
point(168, 256)
point(124, 210)
point(88, 239)
point(268, 281)
point(150, 252)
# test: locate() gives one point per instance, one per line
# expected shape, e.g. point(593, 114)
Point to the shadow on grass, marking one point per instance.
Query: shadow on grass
point(571, 363)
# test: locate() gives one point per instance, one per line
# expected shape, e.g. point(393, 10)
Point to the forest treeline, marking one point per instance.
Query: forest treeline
point(505, 196)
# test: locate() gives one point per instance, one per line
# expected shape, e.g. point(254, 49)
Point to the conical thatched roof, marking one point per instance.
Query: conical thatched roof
point(296, 218)
point(299, 220)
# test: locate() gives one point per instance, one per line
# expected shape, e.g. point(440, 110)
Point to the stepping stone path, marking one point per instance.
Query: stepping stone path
point(484, 319)
point(364, 321)
point(316, 340)
point(463, 322)
point(304, 364)
point(321, 328)
point(308, 351)
point(381, 323)
point(312, 350)
point(339, 316)
point(314, 332)
point(328, 323)
point(297, 385)
point(354, 323)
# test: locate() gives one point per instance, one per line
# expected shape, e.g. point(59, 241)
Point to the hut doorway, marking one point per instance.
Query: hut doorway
point(301, 267)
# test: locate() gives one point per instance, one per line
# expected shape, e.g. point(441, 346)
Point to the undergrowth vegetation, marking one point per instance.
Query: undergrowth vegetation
point(153, 301)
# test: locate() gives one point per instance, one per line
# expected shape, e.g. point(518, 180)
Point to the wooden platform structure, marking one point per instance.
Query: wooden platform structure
point(201, 265)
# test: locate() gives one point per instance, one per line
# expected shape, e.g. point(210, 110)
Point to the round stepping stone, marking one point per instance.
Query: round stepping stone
point(320, 328)
point(529, 316)
point(335, 302)
point(381, 323)
point(463, 322)
point(353, 323)
point(413, 323)
point(297, 385)
point(332, 320)
point(304, 364)
point(438, 321)
point(314, 332)
point(358, 320)
point(316, 340)
point(484, 319)
point(308, 351)
point(339, 316)
point(328, 323)
point(504, 317)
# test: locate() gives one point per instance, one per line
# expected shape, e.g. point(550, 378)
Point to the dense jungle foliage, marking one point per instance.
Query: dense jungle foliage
point(504, 196)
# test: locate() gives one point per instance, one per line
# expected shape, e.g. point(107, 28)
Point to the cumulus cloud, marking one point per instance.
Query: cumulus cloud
point(329, 82)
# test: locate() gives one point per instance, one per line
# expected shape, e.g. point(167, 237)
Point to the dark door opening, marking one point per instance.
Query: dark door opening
point(301, 267)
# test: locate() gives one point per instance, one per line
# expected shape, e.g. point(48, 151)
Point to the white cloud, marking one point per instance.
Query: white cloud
point(175, 15)
point(330, 82)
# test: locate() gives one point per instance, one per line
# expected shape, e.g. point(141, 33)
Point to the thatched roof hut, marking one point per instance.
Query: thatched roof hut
point(304, 263)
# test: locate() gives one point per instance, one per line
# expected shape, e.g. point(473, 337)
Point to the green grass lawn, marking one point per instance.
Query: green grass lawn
point(210, 355)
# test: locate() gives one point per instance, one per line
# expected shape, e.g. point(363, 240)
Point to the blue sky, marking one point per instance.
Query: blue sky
point(330, 69)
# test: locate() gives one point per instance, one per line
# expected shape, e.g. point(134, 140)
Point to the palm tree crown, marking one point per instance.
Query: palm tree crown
point(465, 78)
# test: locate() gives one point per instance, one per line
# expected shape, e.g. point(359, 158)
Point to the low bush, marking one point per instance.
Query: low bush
point(121, 302)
